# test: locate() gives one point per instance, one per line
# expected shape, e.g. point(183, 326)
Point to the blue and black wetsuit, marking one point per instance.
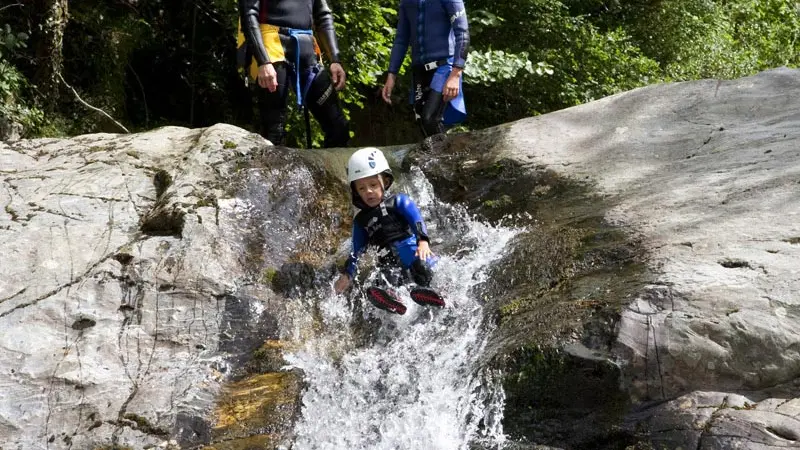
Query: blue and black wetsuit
point(280, 32)
point(438, 33)
point(396, 225)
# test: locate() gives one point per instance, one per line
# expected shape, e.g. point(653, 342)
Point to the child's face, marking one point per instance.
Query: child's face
point(370, 190)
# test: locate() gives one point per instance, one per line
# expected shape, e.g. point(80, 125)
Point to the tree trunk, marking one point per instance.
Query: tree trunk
point(49, 40)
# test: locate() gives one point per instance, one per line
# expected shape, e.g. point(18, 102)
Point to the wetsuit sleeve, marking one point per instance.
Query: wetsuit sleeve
point(400, 46)
point(359, 245)
point(458, 20)
point(323, 25)
point(248, 15)
point(408, 209)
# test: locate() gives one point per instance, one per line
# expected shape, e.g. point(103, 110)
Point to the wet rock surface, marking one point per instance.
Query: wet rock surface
point(651, 299)
point(134, 285)
point(703, 178)
point(554, 301)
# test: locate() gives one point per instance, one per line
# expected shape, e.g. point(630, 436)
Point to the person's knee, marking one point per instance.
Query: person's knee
point(429, 113)
point(325, 107)
point(334, 124)
point(421, 273)
point(273, 121)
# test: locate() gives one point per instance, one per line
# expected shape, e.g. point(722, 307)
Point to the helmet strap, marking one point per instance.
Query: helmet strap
point(383, 185)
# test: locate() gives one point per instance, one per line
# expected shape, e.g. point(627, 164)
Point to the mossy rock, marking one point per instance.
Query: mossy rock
point(564, 401)
point(268, 358)
point(260, 406)
point(144, 425)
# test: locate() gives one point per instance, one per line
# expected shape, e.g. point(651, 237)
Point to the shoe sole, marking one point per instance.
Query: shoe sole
point(427, 297)
point(385, 301)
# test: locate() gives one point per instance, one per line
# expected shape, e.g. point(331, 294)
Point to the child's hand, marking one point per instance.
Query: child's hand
point(342, 283)
point(423, 250)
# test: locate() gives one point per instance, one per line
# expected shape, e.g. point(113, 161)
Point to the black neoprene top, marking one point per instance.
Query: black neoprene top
point(297, 14)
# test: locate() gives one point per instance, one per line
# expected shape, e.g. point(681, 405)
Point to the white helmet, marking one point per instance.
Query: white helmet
point(367, 162)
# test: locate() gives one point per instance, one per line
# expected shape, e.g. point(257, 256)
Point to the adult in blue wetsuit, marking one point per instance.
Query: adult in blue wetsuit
point(389, 221)
point(280, 50)
point(438, 33)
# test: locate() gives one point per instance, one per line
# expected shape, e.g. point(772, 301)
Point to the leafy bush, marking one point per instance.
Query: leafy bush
point(154, 62)
point(578, 59)
point(14, 108)
point(694, 39)
point(496, 65)
point(11, 41)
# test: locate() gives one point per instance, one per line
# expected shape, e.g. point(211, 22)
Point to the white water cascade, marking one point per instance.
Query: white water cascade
point(415, 383)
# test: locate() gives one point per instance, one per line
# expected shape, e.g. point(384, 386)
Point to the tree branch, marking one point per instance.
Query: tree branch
point(9, 6)
point(90, 106)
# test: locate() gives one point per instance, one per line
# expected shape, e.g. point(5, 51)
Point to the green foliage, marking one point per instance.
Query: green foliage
point(495, 65)
point(15, 107)
point(767, 31)
point(694, 39)
point(577, 61)
point(598, 63)
point(10, 81)
point(158, 62)
point(151, 64)
point(599, 48)
point(480, 20)
point(11, 41)
point(365, 31)
point(99, 43)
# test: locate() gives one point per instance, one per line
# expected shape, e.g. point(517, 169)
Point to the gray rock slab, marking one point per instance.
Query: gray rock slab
point(717, 420)
point(108, 334)
point(707, 174)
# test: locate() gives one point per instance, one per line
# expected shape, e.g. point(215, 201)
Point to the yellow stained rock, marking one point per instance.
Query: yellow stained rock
point(260, 407)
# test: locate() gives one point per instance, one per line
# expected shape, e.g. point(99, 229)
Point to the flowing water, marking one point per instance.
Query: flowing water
point(415, 382)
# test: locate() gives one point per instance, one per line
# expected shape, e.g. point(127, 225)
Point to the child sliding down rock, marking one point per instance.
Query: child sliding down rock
point(393, 223)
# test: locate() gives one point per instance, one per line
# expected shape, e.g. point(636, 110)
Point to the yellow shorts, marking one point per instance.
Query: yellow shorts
point(272, 42)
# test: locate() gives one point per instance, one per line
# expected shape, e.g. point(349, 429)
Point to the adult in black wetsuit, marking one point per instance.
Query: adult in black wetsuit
point(278, 35)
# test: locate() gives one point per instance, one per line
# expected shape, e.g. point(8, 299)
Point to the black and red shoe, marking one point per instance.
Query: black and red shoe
point(384, 300)
point(427, 297)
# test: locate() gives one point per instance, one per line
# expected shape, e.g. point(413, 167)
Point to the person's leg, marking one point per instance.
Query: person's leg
point(432, 111)
point(381, 293)
point(428, 104)
point(415, 269)
point(323, 102)
point(421, 273)
point(391, 271)
point(272, 107)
